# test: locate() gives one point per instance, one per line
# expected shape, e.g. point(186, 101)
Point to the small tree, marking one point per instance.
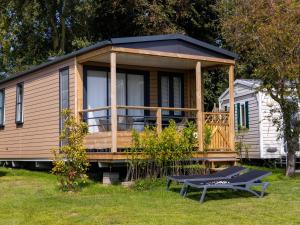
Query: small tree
point(240, 145)
point(70, 160)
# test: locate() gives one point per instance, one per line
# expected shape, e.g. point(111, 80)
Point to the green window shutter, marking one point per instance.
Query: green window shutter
point(238, 110)
point(247, 114)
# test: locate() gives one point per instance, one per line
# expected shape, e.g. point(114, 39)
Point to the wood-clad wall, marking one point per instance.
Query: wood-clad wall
point(40, 131)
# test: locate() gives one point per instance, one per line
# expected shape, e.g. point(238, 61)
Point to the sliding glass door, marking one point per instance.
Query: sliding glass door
point(96, 96)
point(130, 91)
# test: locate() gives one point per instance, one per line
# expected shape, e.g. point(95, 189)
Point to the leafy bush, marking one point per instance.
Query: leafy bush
point(70, 160)
point(241, 147)
point(207, 137)
point(162, 151)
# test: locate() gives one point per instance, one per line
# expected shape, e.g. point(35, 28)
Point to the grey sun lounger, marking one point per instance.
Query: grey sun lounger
point(225, 173)
point(242, 182)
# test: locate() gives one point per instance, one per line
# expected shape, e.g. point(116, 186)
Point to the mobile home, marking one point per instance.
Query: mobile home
point(115, 85)
point(254, 120)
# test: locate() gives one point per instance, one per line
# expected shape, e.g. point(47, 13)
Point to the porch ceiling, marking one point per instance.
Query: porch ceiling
point(124, 58)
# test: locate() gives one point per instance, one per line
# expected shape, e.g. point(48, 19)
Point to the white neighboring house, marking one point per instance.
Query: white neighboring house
point(252, 111)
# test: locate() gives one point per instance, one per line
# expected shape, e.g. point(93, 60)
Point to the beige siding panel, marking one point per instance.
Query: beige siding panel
point(40, 131)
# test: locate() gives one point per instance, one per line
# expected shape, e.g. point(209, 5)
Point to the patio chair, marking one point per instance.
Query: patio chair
point(242, 182)
point(125, 123)
point(225, 173)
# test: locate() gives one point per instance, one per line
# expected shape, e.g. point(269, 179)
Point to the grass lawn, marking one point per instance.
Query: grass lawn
point(28, 197)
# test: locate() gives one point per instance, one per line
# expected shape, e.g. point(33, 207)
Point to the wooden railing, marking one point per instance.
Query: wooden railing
point(218, 122)
point(100, 121)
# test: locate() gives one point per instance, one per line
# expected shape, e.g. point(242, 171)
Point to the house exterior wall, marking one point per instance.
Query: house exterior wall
point(270, 134)
point(251, 137)
point(40, 130)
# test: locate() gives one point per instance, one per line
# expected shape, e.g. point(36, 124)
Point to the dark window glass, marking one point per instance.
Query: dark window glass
point(2, 104)
point(171, 93)
point(19, 103)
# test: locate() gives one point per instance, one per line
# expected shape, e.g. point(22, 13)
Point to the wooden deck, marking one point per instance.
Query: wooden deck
point(211, 156)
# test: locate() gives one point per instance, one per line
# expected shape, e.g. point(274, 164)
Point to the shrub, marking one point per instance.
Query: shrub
point(70, 160)
point(207, 137)
point(162, 152)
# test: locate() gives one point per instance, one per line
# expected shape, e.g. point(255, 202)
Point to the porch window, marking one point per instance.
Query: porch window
point(96, 96)
point(171, 92)
point(2, 104)
point(19, 103)
point(130, 91)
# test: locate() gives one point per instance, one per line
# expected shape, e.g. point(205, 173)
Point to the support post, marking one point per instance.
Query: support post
point(158, 120)
point(78, 90)
point(199, 105)
point(113, 95)
point(231, 108)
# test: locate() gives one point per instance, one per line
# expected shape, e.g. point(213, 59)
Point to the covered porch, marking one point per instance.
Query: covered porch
point(130, 85)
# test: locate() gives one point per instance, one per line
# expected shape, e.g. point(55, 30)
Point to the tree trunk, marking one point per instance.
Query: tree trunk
point(291, 163)
point(291, 136)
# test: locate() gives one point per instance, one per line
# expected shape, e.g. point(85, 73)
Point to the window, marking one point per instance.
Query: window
point(242, 112)
point(131, 86)
point(2, 104)
point(63, 91)
point(171, 92)
point(19, 103)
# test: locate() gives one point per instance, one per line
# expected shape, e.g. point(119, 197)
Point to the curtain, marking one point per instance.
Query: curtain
point(96, 97)
point(135, 97)
point(165, 93)
point(177, 94)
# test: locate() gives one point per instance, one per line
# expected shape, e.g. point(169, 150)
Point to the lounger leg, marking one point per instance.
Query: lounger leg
point(183, 189)
point(265, 185)
point(186, 189)
point(203, 195)
point(168, 184)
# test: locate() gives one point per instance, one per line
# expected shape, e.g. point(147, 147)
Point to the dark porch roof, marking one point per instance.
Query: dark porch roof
point(177, 43)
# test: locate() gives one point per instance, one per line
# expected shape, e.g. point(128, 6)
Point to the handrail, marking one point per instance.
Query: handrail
point(154, 108)
point(215, 113)
point(95, 109)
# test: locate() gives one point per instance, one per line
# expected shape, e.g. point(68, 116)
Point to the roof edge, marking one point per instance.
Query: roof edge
point(115, 41)
point(58, 59)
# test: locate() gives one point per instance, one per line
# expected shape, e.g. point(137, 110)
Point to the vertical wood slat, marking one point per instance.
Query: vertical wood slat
point(231, 108)
point(199, 105)
point(158, 120)
point(113, 88)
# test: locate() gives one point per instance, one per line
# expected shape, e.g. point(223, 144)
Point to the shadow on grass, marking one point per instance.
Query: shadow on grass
point(221, 195)
point(3, 173)
point(195, 194)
